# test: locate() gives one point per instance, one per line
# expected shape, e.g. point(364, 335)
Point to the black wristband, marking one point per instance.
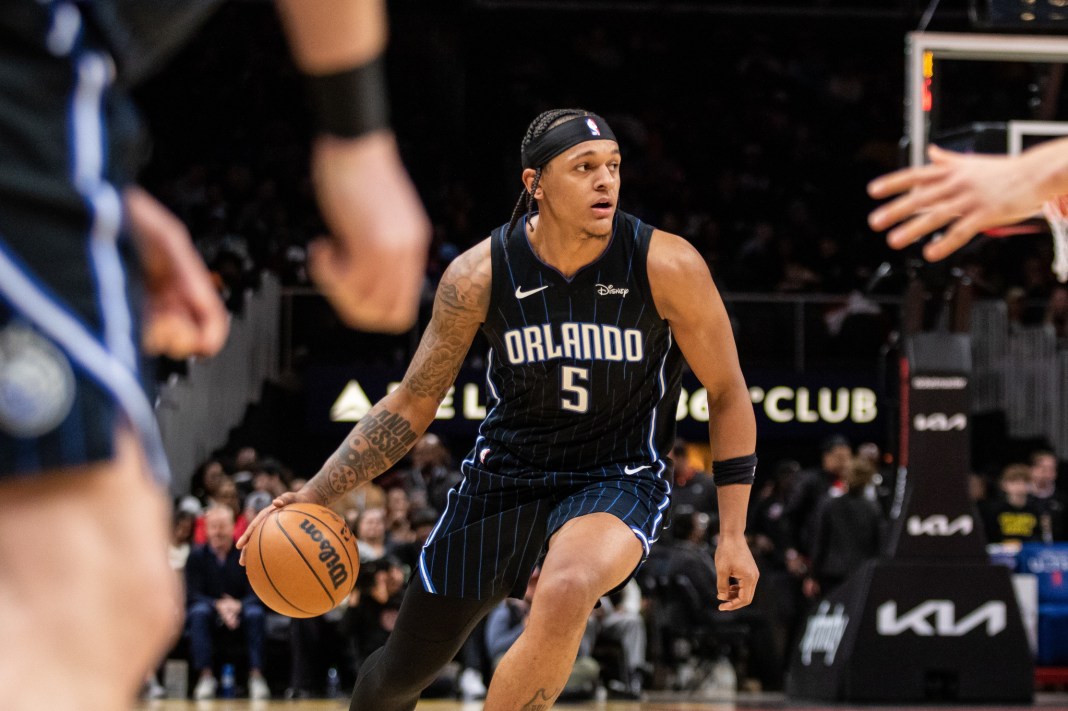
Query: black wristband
point(739, 470)
point(352, 102)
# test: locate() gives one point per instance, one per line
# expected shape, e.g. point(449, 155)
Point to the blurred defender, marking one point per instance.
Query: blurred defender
point(91, 268)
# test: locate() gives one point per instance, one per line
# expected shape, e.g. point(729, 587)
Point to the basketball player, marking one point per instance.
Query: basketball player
point(87, 599)
point(589, 313)
point(968, 193)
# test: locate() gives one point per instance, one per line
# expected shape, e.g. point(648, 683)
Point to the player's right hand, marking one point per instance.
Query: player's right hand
point(373, 267)
point(304, 496)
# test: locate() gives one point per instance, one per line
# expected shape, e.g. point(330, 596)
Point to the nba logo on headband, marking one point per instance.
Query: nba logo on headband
point(554, 141)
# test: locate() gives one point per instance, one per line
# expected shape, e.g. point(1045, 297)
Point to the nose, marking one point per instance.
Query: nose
point(605, 178)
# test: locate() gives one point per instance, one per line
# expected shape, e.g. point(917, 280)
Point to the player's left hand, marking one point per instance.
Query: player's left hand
point(184, 315)
point(734, 560)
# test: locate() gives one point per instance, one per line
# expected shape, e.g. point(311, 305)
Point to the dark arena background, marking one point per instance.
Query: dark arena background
point(751, 128)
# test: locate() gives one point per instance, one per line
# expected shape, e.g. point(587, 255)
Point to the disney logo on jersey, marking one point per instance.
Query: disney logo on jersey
point(611, 290)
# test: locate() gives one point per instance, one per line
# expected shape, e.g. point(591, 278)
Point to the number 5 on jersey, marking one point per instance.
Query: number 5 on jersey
point(574, 397)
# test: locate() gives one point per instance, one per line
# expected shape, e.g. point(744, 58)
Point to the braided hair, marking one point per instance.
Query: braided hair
point(544, 121)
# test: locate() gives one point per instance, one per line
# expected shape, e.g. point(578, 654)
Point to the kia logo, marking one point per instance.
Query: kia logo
point(938, 618)
point(939, 525)
point(940, 422)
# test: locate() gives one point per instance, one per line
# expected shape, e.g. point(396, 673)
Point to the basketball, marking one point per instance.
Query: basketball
point(302, 561)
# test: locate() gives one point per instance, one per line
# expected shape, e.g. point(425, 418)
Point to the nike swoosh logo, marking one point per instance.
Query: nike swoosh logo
point(520, 294)
point(635, 470)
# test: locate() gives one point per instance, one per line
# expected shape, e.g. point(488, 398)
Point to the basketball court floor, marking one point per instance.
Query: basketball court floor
point(762, 702)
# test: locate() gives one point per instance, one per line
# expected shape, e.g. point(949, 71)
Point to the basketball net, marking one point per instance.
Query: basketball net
point(1056, 211)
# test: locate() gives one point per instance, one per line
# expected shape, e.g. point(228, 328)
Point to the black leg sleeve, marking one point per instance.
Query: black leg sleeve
point(429, 632)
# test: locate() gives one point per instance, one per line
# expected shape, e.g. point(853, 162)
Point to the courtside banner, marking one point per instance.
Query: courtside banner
point(907, 633)
point(787, 405)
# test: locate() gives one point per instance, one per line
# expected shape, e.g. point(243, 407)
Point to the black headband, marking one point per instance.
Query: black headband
point(558, 139)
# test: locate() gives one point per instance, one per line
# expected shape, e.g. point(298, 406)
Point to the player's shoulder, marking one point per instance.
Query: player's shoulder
point(475, 262)
point(467, 281)
point(671, 256)
point(677, 273)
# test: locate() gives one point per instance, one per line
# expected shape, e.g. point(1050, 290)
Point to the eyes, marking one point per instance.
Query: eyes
point(613, 167)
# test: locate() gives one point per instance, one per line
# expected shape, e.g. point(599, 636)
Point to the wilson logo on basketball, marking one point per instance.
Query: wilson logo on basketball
point(327, 554)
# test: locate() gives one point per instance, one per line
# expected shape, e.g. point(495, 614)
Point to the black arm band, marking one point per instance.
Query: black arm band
point(350, 103)
point(740, 470)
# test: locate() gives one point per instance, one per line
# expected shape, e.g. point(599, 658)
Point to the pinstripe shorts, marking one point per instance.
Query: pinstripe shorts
point(69, 321)
point(495, 528)
point(52, 414)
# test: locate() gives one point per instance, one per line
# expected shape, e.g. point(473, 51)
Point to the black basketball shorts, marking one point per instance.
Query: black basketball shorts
point(70, 363)
point(495, 528)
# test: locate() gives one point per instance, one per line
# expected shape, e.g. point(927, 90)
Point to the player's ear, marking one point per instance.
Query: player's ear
point(528, 179)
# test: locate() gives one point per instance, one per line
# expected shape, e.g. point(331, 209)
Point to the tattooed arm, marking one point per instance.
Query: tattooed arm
point(390, 429)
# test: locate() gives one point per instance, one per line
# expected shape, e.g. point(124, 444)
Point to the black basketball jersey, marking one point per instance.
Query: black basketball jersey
point(582, 373)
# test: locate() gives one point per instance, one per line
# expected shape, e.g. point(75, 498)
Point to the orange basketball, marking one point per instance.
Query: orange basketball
point(302, 560)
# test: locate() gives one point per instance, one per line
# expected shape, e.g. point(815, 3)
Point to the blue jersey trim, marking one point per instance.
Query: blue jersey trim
point(36, 303)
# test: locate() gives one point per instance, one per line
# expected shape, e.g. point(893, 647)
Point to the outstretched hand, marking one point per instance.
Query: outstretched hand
point(304, 496)
point(734, 560)
point(966, 193)
point(372, 269)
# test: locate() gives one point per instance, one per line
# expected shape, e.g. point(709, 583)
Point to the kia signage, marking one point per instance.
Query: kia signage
point(936, 518)
point(907, 632)
point(940, 422)
point(940, 525)
point(933, 620)
point(939, 618)
point(788, 405)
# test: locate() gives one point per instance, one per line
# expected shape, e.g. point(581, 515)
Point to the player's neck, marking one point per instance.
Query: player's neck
point(567, 249)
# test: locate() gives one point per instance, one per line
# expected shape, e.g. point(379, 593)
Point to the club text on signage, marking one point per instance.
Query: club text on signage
point(780, 404)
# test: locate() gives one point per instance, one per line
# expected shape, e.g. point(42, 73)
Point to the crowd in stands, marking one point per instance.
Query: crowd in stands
point(809, 529)
point(761, 165)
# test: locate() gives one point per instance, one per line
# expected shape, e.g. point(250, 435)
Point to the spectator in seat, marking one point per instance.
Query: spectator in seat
point(508, 620)
point(422, 523)
point(692, 488)
point(206, 480)
point(371, 534)
point(810, 486)
point(226, 494)
point(181, 539)
point(849, 531)
point(218, 595)
point(431, 475)
point(1014, 516)
point(398, 510)
point(1045, 494)
point(619, 619)
point(373, 605)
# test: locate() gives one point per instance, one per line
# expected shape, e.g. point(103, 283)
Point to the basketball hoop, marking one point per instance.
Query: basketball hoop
point(1056, 211)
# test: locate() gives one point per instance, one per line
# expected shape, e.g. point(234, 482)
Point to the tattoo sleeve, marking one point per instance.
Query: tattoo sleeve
point(459, 308)
point(391, 428)
point(380, 439)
